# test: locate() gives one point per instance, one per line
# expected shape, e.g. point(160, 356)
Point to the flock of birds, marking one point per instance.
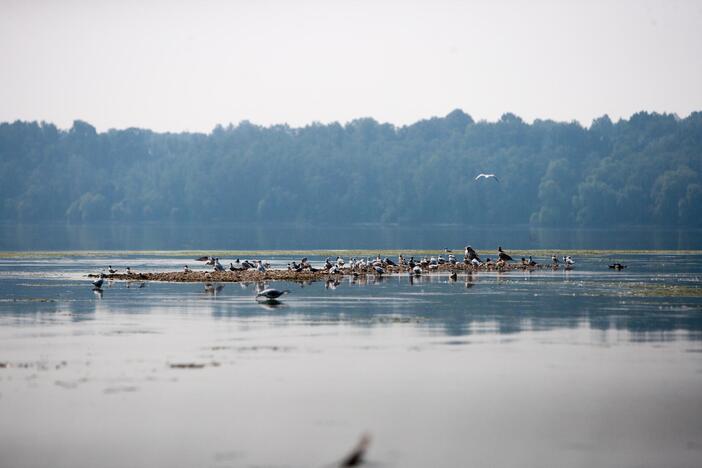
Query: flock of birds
point(377, 266)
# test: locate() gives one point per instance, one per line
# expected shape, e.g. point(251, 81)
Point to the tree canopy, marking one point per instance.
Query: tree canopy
point(646, 170)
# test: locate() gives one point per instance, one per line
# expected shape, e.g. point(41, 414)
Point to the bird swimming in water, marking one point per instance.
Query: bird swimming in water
point(97, 284)
point(503, 256)
point(617, 266)
point(453, 276)
point(272, 293)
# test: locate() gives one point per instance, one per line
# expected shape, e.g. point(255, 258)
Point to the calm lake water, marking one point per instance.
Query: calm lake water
point(590, 367)
point(248, 236)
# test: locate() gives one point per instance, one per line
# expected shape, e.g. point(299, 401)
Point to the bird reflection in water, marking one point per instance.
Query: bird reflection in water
point(98, 292)
point(213, 289)
point(270, 304)
point(469, 280)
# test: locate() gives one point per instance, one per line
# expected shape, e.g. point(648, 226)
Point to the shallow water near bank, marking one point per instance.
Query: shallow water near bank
point(591, 367)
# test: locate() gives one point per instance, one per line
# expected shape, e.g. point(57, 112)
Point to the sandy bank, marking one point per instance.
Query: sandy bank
point(306, 275)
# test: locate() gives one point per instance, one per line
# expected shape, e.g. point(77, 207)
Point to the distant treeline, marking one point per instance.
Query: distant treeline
point(643, 171)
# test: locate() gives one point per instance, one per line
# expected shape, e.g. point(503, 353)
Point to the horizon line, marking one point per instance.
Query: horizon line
point(314, 123)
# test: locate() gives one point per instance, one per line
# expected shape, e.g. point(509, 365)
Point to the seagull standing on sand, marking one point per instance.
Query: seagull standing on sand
point(486, 176)
point(260, 267)
point(218, 266)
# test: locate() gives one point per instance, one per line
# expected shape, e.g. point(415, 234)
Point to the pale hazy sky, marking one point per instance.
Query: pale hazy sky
point(176, 65)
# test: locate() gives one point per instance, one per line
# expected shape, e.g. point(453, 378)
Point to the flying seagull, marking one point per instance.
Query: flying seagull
point(486, 176)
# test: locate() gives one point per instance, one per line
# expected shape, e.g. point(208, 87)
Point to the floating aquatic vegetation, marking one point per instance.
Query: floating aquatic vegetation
point(192, 365)
point(665, 290)
point(27, 299)
point(398, 319)
point(121, 389)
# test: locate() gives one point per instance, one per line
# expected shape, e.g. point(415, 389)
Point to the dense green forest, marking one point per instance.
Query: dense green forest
point(640, 171)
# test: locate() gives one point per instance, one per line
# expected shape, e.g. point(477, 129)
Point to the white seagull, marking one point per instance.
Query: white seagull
point(486, 176)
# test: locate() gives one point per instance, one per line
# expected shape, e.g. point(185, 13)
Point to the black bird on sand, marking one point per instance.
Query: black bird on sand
point(503, 256)
point(470, 253)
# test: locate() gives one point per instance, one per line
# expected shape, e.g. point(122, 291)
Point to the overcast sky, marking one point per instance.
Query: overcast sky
point(170, 65)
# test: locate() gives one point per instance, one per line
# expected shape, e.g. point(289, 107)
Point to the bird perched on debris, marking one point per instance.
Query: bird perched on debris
point(503, 256)
point(218, 266)
point(470, 253)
